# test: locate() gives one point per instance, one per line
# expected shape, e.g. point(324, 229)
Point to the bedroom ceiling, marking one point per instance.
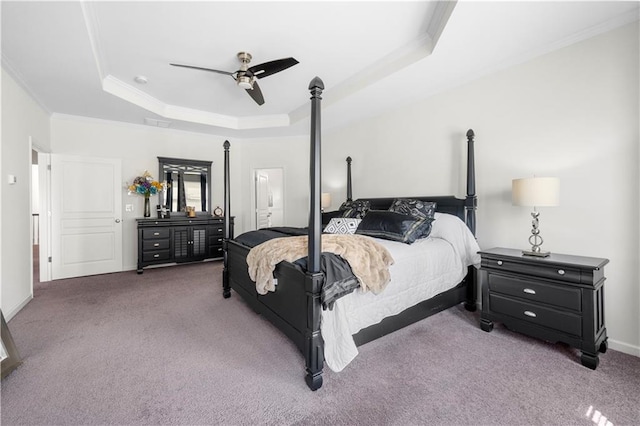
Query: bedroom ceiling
point(81, 58)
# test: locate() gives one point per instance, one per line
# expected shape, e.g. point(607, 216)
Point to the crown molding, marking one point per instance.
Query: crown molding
point(17, 77)
point(414, 51)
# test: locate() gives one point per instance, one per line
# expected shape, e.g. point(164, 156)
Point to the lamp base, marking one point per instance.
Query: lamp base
point(536, 253)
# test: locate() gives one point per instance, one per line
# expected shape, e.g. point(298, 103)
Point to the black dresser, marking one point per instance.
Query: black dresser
point(179, 239)
point(559, 298)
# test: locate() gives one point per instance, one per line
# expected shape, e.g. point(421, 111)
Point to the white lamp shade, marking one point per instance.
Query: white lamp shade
point(536, 191)
point(325, 202)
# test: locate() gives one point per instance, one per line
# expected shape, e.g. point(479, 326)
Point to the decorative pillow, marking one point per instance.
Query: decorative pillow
point(346, 205)
point(394, 226)
point(357, 210)
point(342, 225)
point(415, 208)
point(327, 216)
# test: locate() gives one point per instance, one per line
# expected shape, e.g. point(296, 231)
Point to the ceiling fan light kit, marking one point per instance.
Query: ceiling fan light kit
point(246, 76)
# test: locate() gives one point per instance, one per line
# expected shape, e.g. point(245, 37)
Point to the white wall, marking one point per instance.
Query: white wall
point(21, 118)
point(572, 113)
point(138, 147)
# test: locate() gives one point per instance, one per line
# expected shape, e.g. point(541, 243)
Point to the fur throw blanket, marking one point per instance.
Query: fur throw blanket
point(369, 260)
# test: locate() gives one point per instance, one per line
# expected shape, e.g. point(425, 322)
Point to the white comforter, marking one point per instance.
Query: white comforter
point(421, 270)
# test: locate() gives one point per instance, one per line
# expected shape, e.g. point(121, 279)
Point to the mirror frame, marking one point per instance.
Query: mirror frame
point(181, 162)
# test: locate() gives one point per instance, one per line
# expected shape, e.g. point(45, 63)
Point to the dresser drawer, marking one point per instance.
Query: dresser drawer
point(216, 251)
point(538, 270)
point(558, 295)
point(216, 230)
point(215, 240)
point(152, 256)
point(155, 233)
point(535, 314)
point(154, 245)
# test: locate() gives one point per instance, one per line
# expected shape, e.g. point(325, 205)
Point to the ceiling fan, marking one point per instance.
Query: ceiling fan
point(246, 76)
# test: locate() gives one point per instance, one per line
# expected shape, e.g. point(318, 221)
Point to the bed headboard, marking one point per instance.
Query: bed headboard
point(464, 208)
point(445, 204)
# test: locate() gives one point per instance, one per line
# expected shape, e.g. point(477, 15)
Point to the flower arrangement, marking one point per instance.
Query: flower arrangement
point(145, 185)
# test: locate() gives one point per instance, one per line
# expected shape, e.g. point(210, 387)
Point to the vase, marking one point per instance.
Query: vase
point(147, 207)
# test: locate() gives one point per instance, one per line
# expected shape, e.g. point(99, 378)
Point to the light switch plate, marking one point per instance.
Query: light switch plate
point(128, 207)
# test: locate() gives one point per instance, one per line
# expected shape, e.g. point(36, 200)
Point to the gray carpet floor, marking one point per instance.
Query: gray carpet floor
point(165, 348)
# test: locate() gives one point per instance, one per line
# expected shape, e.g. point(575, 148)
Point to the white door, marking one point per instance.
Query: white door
point(86, 201)
point(263, 215)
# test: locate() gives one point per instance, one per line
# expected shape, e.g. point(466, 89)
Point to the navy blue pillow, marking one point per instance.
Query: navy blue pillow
point(394, 226)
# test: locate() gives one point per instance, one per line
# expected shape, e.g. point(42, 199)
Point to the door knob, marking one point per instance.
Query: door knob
point(117, 220)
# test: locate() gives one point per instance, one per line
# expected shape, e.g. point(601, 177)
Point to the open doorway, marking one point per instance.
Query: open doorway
point(40, 218)
point(269, 197)
point(35, 217)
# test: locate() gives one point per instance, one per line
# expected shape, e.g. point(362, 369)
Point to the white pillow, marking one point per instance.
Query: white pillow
point(342, 225)
point(452, 229)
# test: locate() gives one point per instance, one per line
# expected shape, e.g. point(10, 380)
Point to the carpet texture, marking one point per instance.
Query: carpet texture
point(164, 347)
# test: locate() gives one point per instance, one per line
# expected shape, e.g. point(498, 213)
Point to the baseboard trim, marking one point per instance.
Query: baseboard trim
point(624, 347)
point(11, 313)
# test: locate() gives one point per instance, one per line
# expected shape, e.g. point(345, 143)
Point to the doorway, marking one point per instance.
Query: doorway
point(40, 218)
point(269, 197)
point(35, 217)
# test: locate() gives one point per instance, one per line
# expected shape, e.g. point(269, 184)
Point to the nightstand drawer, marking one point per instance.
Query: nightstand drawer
point(155, 233)
point(535, 314)
point(538, 269)
point(557, 295)
point(155, 245)
point(156, 255)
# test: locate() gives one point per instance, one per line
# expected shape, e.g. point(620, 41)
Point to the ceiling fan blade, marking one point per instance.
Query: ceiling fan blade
point(256, 93)
point(203, 69)
point(272, 67)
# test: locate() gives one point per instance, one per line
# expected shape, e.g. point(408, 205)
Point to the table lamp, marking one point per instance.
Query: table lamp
point(536, 192)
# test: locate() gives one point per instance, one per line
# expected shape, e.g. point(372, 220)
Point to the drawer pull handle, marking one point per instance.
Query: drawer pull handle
point(529, 291)
point(499, 262)
point(219, 249)
point(530, 314)
point(156, 233)
point(156, 255)
point(220, 230)
point(156, 245)
point(561, 271)
point(219, 239)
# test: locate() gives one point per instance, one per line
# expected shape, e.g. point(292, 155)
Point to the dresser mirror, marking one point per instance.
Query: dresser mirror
point(187, 184)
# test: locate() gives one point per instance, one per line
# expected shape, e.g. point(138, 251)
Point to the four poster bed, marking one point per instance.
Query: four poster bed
point(295, 304)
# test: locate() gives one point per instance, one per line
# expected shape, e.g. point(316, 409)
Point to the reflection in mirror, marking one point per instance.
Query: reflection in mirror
point(187, 183)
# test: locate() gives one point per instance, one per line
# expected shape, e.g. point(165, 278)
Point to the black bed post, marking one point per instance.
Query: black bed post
point(226, 288)
point(471, 201)
point(471, 204)
point(349, 194)
point(313, 347)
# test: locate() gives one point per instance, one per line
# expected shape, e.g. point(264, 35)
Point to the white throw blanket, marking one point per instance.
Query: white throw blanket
point(368, 259)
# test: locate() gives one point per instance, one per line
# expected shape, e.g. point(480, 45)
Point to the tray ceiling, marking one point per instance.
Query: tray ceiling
point(81, 58)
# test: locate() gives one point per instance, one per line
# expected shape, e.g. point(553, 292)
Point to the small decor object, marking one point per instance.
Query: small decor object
point(145, 185)
point(8, 352)
point(536, 192)
point(217, 212)
point(191, 211)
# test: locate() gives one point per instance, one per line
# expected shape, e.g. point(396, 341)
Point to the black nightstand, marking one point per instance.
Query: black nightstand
point(559, 298)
